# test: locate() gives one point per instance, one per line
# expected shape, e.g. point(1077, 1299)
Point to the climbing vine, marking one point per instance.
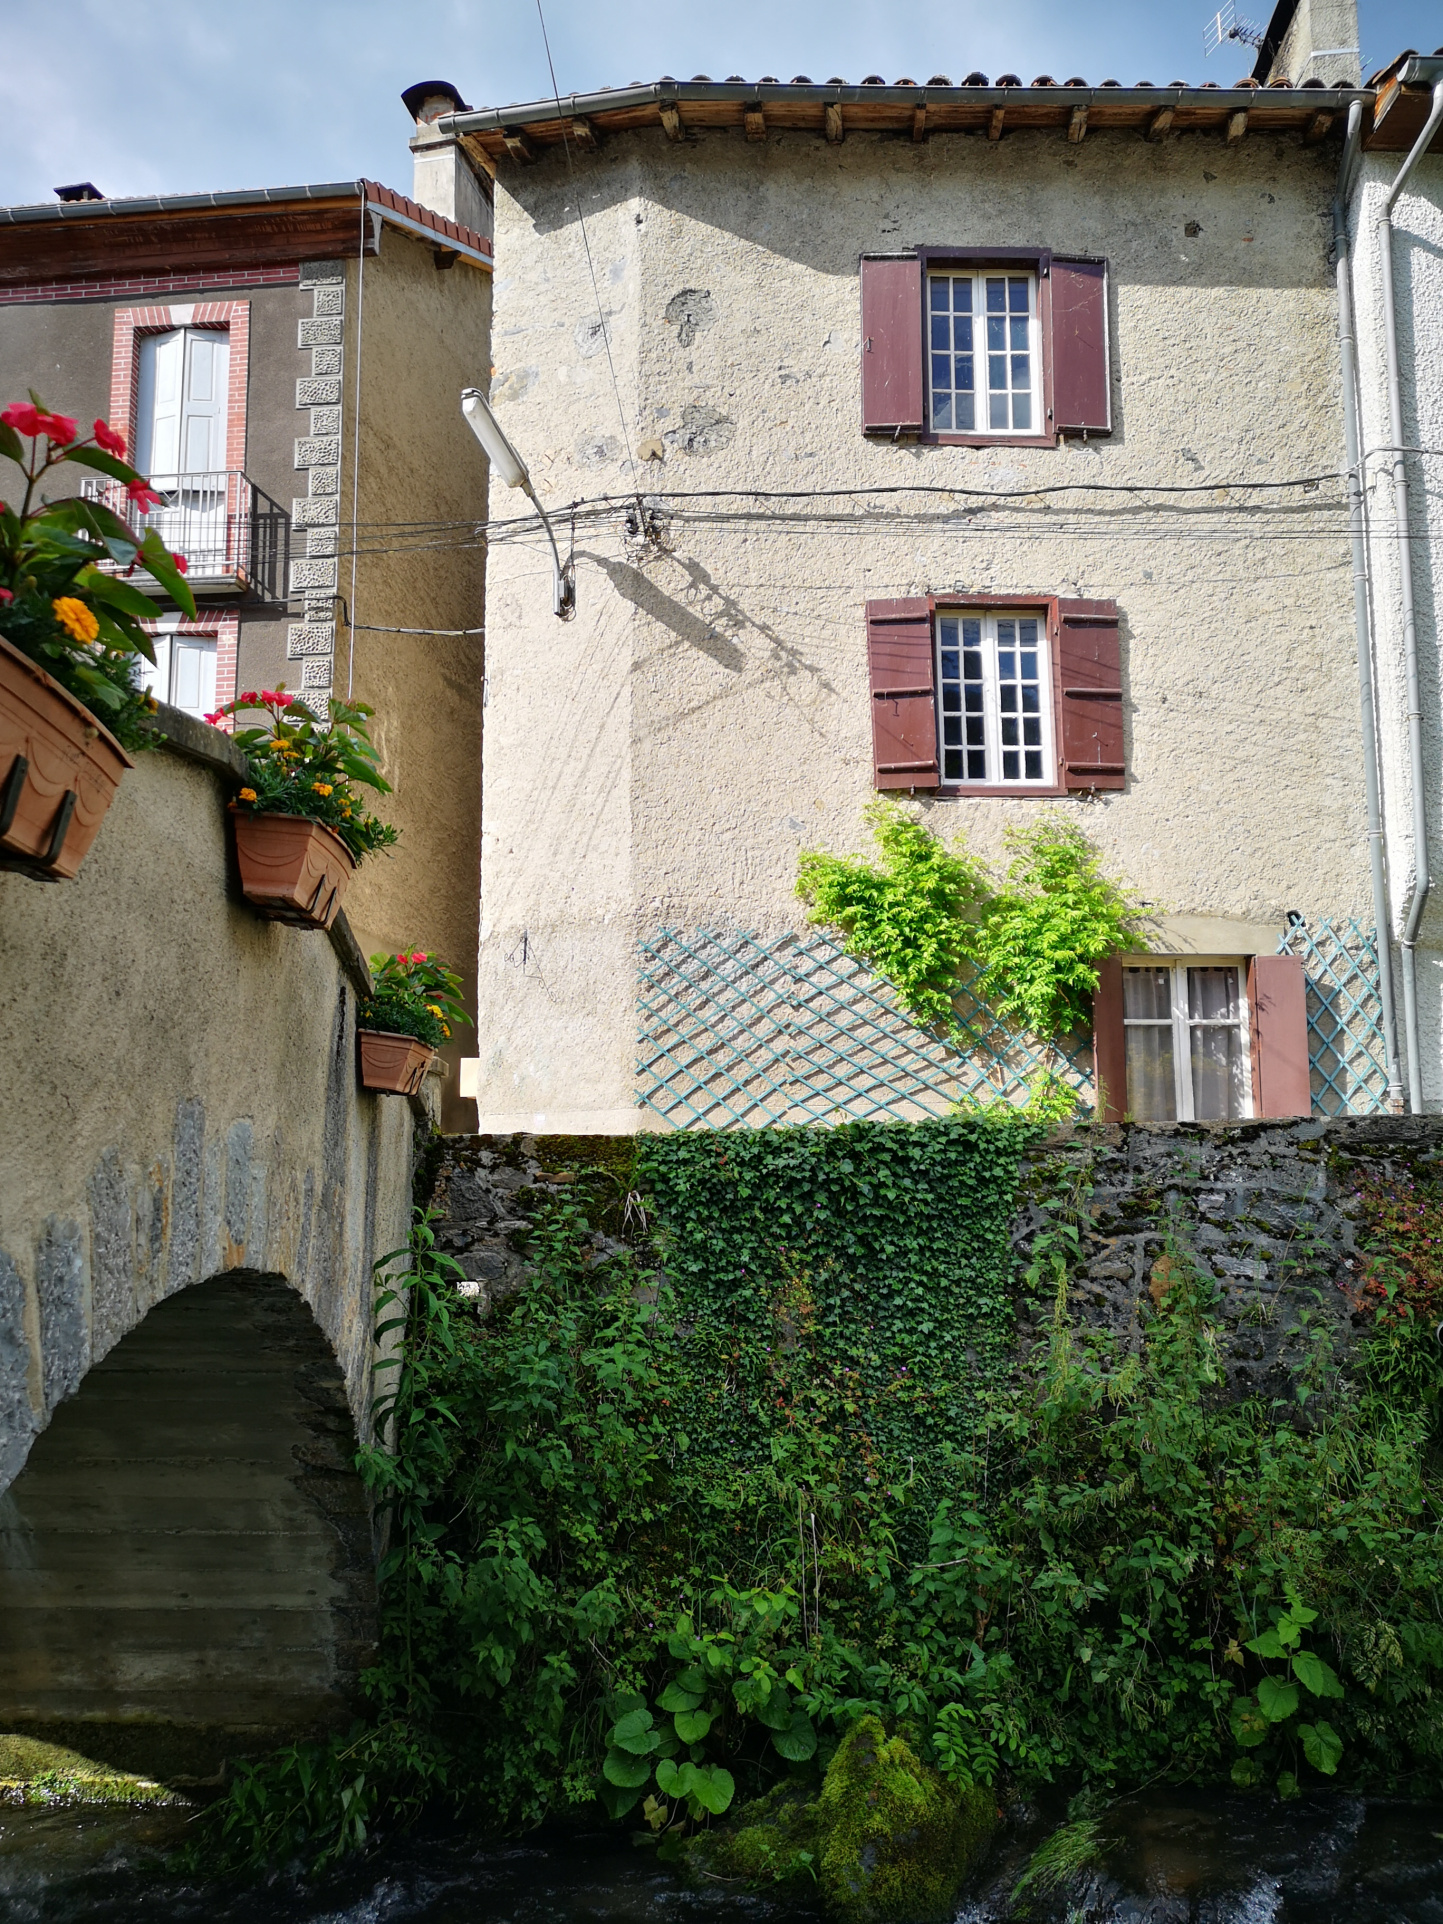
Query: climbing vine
point(926, 917)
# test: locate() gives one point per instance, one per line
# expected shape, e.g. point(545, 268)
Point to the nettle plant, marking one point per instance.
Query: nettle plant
point(58, 604)
point(933, 920)
point(306, 764)
point(1267, 1723)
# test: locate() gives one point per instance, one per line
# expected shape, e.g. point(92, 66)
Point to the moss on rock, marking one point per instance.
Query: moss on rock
point(897, 1839)
point(32, 1772)
point(769, 1842)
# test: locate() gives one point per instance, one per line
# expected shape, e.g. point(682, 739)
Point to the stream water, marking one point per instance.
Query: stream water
point(1170, 1858)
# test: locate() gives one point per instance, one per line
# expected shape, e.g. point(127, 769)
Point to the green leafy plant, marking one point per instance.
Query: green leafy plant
point(303, 764)
point(59, 604)
point(931, 920)
point(413, 994)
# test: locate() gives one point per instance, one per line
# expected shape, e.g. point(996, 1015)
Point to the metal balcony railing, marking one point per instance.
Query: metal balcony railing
point(235, 538)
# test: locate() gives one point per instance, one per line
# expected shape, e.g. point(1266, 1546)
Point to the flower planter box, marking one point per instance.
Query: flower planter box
point(59, 769)
point(395, 1064)
point(292, 870)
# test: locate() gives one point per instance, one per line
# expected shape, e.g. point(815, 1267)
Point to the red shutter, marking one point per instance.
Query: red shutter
point(1278, 999)
point(892, 345)
point(1081, 375)
point(904, 713)
point(1089, 658)
point(1109, 1041)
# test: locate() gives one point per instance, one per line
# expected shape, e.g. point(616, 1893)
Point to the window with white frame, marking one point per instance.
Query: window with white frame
point(1185, 1025)
point(983, 353)
point(184, 671)
point(995, 707)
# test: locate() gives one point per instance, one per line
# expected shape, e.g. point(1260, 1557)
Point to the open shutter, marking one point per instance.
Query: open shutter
point(1109, 1041)
point(904, 710)
point(892, 345)
point(1089, 660)
point(1278, 1000)
point(1081, 375)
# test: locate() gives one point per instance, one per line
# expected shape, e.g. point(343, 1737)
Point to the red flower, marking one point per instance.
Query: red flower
point(6, 595)
point(419, 956)
point(24, 418)
point(143, 495)
point(272, 694)
point(182, 566)
point(107, 438)
point(213, 719)
point(250, 699)
point(59, 429)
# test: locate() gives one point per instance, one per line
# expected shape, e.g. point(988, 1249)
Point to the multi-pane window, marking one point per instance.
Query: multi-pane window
point(1186, 1029)
point(183, 673)
point(995, 710)
point(983, 358)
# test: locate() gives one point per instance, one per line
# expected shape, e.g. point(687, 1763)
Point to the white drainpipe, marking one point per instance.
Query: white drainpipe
point(1403, 534)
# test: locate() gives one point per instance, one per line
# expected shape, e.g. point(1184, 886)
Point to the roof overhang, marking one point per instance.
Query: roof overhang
point(75, 240)
point(1405, 95)
point(833, 111)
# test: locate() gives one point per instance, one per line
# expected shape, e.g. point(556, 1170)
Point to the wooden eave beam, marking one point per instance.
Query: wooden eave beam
point(755, 121)
point(832, 122)
point(249, 237)
point(1077, 126)
point(584, 134)
point(994, 125)
point(1317, 129)
point(517, 145)
point(919, 123)
point(671, 120)
point(1160, 123)
point(1237, 127)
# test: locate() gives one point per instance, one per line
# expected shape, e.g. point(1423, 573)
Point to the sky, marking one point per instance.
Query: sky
point(193, 96)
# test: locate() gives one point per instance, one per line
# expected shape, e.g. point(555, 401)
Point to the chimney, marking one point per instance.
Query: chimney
point(1311, 40)
point(445, 178)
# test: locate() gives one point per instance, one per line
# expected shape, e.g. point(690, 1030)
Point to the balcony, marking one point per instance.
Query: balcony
point(235, 539)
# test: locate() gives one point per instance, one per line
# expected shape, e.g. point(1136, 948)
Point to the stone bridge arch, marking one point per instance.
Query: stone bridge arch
point(186, 1559)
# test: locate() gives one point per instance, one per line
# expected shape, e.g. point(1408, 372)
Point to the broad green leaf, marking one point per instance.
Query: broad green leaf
point(1267, 1645)
point(1288, 1632)
point(714, 1789)
point(1315, 1675)
point(155, 557)
point(104, 463)
point(693, 1725)
point(618, 1798)
point(798, 1741)
point(1247, 1772)
point(675, 1780)
point(776, 1712)
point(675, 1698)
point(634, 1732)
point(624, 1770)
point(1277, 1699)
point(1322, 1746)
point(1287, 1785)
point(119, 594)
point(1249, 1725)
point(10, 443)
point(1300, 1613)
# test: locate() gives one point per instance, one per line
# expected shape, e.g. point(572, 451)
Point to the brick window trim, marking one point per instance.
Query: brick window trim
point(135, 287)
point(223, 628)
point(133, 323)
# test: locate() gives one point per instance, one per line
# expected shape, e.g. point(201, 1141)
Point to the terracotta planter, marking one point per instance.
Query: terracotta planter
point(391, 1062)
point(292, 870)
point(59, 769)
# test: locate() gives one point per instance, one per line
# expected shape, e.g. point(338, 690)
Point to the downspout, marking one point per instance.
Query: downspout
point(1347, 342)
point(1403, 534)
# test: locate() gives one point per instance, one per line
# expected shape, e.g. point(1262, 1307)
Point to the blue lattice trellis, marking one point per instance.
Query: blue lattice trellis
point(744, 1031)
point(1346, 1051)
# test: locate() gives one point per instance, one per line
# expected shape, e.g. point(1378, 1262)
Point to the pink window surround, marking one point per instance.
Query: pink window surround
point(223, 628)
point(131, 323)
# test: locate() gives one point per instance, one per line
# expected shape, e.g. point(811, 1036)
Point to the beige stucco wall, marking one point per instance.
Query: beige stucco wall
point(423, 335)
point(178, 1098)
point(659, 761)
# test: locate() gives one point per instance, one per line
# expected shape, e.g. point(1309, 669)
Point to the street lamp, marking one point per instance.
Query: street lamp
point(512, 470)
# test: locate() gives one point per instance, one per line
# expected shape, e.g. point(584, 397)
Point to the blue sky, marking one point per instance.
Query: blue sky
point(184, 96)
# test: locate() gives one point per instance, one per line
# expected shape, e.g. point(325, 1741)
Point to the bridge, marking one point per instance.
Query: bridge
point(195, 1191)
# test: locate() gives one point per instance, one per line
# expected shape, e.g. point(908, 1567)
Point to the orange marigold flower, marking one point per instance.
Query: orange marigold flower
point(321, 788)
point(75, 618)
point(247, 794)
point(431, 1009)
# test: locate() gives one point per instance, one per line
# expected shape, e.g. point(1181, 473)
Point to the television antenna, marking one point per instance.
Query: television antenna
point(1227, 24)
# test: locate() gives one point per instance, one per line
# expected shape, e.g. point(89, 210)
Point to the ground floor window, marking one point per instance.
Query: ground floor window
point(1185, 1025)
point(184, 673)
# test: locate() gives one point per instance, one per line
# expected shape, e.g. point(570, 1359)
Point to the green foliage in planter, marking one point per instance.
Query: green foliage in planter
point(414, 994)
point(668, 1522)
point(309, 765)
point(926, 917)
point(57, 603)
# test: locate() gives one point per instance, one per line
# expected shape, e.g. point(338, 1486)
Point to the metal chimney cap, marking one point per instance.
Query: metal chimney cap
point(79, 190)
point(414, 98)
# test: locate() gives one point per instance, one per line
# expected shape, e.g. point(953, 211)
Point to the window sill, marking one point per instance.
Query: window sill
point(1001, 791)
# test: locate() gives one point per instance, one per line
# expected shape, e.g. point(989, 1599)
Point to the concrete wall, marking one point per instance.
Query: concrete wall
point(179, 1099)
point(1418, 298)
point(660, 760)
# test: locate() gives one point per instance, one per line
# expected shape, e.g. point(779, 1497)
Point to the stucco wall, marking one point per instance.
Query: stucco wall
point(1418, 300)
point(660, 760)
point(178, 1098)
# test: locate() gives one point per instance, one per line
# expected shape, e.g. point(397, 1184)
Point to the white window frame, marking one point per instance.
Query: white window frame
point(1182, 1025)
point(992, 713)
point(159, 679)
point(981, 384)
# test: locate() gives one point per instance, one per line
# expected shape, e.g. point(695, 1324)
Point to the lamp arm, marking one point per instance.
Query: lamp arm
point(563, 580)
